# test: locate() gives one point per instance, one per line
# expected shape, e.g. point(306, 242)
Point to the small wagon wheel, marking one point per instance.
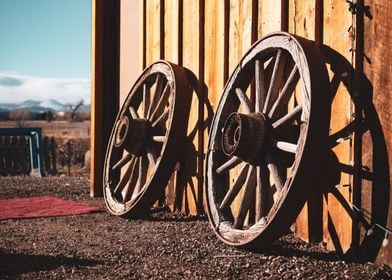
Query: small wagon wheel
point(267, 140)
point(145, 141)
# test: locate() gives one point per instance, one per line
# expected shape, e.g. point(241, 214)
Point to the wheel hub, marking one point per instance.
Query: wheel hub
point(245, 136)
point(131, 134)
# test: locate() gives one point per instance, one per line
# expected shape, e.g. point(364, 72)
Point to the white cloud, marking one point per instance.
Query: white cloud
point(15, 87)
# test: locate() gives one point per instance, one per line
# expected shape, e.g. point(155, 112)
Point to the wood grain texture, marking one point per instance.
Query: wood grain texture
point(130, 50)
point(337, 22)
point(270, 16)
point(240, 40)
point(304, 18)
point(240, 34)
point(189, 177)
point(302, 23)
point(214, 49)
point(172, 36)
point(377, 144)
point(153, 31)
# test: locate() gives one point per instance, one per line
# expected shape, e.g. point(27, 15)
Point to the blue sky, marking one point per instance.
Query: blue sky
point(45, 50)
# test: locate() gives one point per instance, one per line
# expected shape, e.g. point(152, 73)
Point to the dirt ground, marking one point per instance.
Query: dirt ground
point(161, 245)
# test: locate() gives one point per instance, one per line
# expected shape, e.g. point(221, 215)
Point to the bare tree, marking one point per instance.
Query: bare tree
point(73, 109)
point(19, 116)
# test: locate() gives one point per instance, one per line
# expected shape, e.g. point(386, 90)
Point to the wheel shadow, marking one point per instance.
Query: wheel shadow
point(186, 195)
point(190, 178)
point(371, 182)
point(15, 264)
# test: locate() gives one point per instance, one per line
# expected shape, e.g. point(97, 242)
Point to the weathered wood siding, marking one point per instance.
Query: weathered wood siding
point(377, 141)
point(209, 37)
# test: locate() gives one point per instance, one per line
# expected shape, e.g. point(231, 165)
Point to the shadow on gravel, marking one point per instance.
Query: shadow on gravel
point(164, 214)
point(289, 250)
point(13, 264)
point(293, 247)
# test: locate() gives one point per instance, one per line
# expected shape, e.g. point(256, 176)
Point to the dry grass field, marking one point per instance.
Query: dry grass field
point(57, 129)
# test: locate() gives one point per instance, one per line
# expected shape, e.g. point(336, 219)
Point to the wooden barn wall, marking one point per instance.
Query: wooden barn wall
point(208, 37)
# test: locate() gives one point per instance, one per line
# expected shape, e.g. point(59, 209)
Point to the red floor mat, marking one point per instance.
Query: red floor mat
point(42, 206)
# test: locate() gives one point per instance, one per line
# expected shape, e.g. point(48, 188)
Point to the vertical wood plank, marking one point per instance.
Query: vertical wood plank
point(377, 195)
point(217, 49)
point(304, 18)
point(129, 46)
point(214, 47)
point(105, 84)
point(143, 33)
point(171, 43)
point(226, 47)
point(171, 32)
point(270, 17)
point(309, 223)
point(153, 31)
point(96, 23)
point(337, 22)
point(240, 33)
point(240, 39)
point(187, 192)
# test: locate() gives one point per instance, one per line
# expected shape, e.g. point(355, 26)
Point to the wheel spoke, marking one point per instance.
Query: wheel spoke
point(235, 188)
point(161, 103)
point(133, 112)
point(160, 81)
point(260, 85)
point(162, 117)
point(262, 192)
point(287, 90)
point(284, 146)
point(159, 139)
point(228, 165)
point(152, 154)
point(132, 182)
point(273, 169)
point(246, 200)
point(122, 161)
point(245, 102)
point(146, 100)
point(143, 169)
point(276, 80)
point(289, 116)
point(125, 179)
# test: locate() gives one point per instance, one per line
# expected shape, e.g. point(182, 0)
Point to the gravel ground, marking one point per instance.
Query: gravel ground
point(159, 246)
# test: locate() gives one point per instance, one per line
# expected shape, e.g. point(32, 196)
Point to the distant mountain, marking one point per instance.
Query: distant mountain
point(41, 106)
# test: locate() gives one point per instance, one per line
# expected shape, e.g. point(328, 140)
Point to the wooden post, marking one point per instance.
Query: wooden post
point(105, 84)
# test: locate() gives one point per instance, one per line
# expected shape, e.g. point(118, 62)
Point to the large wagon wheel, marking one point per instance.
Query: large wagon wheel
point(141, 153)
point(268, 140)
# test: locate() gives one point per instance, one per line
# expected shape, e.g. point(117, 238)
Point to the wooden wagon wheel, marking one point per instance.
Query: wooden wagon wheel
point(268, 140)
point(146, 138)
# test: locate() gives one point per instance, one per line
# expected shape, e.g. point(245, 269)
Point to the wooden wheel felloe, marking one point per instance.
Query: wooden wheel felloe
point(144, 144)
point(267, 141)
